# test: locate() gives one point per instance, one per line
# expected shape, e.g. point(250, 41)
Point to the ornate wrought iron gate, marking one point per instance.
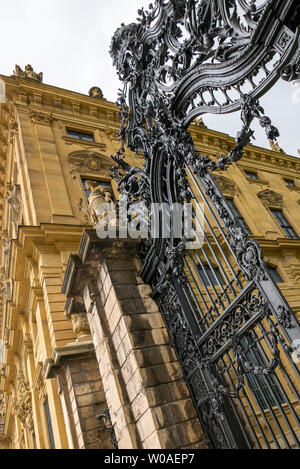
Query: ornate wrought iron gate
point(232, 329)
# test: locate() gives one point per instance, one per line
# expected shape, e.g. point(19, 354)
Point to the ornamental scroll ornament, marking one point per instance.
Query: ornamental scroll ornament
point(91, 161)
point(23, 403)
point(3, 409)
point(184, 59)
point(271, 199)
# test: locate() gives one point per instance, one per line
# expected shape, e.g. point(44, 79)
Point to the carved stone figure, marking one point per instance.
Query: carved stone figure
point(22, 404)
point(96, 92)
point(14, 200)
point(101, 204)
point(275, 147)
point(28, 73)
point(80, 326)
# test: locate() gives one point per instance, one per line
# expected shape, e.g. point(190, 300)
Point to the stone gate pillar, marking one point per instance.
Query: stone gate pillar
point(148, 401)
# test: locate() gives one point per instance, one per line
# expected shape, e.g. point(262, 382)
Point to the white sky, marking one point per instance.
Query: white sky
point(68, 40)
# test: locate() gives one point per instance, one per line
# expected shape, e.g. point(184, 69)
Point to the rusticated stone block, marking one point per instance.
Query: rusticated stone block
point(141, 376)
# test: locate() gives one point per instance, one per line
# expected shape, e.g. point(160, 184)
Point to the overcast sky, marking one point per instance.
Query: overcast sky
point(68, 40)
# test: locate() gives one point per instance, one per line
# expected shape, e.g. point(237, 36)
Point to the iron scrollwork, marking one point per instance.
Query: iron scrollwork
point(184, 58)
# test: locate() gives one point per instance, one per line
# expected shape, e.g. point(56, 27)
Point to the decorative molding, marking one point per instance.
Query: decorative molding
point(15, 202)
point(91, 161)
point(227, 186)
point(13, 128)
point(3, 412)
point(84, 143)
point(22, 404)
point(112, 134)
point(261, 182)
point(81, 326)
point(40, 118)
point(271, 199)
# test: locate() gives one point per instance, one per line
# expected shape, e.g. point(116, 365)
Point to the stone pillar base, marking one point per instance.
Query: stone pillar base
point(81, 391)
point(148, 400)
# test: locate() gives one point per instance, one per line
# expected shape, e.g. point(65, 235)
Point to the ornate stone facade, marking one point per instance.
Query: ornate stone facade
point(112, 319)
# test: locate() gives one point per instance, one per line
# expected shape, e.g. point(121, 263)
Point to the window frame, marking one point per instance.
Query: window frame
point(80, 132)
point(106, 183)
point(48, 422)
point(210, 278)
point(248, 174)
point(292, 181)
point(284, 227)
point(275, 271)
point(238, 214)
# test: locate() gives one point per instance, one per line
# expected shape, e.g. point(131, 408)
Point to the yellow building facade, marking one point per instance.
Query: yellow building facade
point(60, 382)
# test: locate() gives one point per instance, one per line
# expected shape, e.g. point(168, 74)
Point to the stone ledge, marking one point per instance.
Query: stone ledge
point(52, 365)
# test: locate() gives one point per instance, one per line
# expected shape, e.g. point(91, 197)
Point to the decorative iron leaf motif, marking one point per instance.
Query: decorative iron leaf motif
point(184, 58)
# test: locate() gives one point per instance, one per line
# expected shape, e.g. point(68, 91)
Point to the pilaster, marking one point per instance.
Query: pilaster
point(147, 398)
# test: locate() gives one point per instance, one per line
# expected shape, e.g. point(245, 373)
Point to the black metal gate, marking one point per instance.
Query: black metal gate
point(234, 333)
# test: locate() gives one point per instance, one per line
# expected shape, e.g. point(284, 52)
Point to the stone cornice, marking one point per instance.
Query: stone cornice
point(38, 94)
point(53, 365)
point(208, 141)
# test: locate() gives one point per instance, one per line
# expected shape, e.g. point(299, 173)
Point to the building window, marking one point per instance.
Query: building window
point(290, 182)
point(237, 215)
point(284, 224)
point(252, 175)
point(49, 425)
point(99, 183)
point(264, 388)
point(274, 274)
point(89, 137)
point(210, 277)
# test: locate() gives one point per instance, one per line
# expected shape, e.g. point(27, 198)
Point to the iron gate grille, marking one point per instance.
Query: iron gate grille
point(226, 332)
point(232, 329)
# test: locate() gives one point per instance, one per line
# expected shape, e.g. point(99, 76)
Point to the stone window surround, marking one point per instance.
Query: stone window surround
point(291, 188)
point(275, 265)
point(96, 144)
point(252, 180)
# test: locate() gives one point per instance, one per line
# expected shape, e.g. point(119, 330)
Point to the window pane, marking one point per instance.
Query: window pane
point(237, 214)
point(284, 223)
point(210, 277)
point(80, 135)
point(274, 274)
point(251, 175)
point(49, 425)
point(290, 182)
point(264, 388)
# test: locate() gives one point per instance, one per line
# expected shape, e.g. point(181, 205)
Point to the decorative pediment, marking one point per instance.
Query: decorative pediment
point(227, 186)
point(91, 161)
point(271, 199)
